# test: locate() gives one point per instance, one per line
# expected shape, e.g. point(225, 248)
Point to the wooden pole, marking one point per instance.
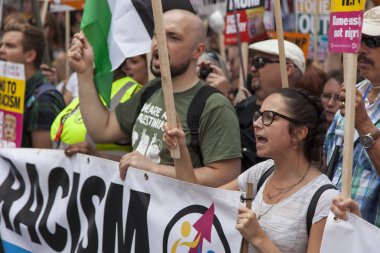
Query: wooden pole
point(349, 64)
point(248, 204)
point(44, 11)
point(165, 70)
point(281, 48)
point(222, 48)
point(316, 32)
point(243, 71)
point(67, 43)
point(37, 16)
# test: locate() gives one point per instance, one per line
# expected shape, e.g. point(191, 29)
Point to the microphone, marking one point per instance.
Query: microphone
point(330, 170)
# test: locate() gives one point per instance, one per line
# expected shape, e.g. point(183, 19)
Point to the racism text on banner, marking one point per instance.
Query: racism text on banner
point(51, 203)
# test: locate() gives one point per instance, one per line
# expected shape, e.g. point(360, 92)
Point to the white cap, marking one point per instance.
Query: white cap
point(371, 22)
point(292, 51)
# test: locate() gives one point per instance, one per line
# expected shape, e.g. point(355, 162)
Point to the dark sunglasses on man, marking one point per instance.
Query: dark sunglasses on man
point(371, 41)
point(259, 62)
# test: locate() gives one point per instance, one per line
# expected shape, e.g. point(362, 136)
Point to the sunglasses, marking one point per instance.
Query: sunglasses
point(267, 117)
point(259, 62)
point(371, 41)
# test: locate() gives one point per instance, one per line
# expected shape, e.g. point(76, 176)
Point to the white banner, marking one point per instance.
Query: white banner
point(51, 203)
point(352, 236)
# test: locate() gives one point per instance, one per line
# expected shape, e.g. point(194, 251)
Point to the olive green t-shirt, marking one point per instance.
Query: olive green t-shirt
point(219, 135)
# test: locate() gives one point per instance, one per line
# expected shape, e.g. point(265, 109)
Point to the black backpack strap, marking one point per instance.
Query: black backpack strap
point(264, 177)
point(194, 114)
point(45, 87)
point(148, 92)
point(313, 205)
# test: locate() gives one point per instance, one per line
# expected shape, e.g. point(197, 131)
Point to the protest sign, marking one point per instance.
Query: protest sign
point(300, 39)
point(249, 16)
point(66, 5)
point(52, 203)
point(305, 24)
point(346, 21)
point(12, 96)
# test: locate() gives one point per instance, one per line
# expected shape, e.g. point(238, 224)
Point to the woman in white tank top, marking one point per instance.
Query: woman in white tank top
point(289, 129)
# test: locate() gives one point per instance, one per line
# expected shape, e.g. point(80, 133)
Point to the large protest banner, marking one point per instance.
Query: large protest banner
point(12, 96)
point(352, 236)
point(304, 24)
point(51, 203)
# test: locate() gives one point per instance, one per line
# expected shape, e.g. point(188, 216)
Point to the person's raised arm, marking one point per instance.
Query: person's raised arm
point(101, 124)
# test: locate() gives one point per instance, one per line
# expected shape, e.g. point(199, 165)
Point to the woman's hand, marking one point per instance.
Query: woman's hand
point(249, 227)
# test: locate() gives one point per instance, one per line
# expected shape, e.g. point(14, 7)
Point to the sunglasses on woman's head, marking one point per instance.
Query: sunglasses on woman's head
point(371, 41)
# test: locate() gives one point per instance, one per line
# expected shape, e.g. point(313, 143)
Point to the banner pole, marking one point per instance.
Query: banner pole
point(165, 70)
point(349, 63)
point(248, 204)
point(281, 48)
point(316, 32)
point(44, 11)
point(36, 13)
point(67, 42)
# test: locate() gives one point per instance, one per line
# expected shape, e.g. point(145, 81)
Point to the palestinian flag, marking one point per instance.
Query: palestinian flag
point(118, 29)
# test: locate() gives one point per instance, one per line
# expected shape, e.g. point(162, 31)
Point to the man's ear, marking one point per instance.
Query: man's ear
point(199, 50)
point(30, 56)
point(290, 68)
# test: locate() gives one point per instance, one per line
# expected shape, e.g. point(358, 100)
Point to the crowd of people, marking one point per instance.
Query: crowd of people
point(280, 139)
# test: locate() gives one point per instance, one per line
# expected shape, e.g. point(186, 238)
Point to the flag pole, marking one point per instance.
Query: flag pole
point(165, 70)
point(281, 48)
point(349, 63)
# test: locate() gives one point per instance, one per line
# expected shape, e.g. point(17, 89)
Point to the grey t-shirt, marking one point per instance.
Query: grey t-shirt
point(219, 133)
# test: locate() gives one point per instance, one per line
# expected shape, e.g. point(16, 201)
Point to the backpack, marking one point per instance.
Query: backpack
point(194, 113)
point(45, 87)
point(313, 202)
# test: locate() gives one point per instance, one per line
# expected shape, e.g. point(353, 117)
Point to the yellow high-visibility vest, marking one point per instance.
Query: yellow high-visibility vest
point(68, 127)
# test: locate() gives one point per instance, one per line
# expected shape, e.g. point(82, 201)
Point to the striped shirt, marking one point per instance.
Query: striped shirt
point(365, 180)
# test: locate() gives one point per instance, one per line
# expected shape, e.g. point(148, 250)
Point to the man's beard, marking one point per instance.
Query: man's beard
point(174, 70)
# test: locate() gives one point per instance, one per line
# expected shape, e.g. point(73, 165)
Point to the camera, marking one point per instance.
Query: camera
point(204, 72)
